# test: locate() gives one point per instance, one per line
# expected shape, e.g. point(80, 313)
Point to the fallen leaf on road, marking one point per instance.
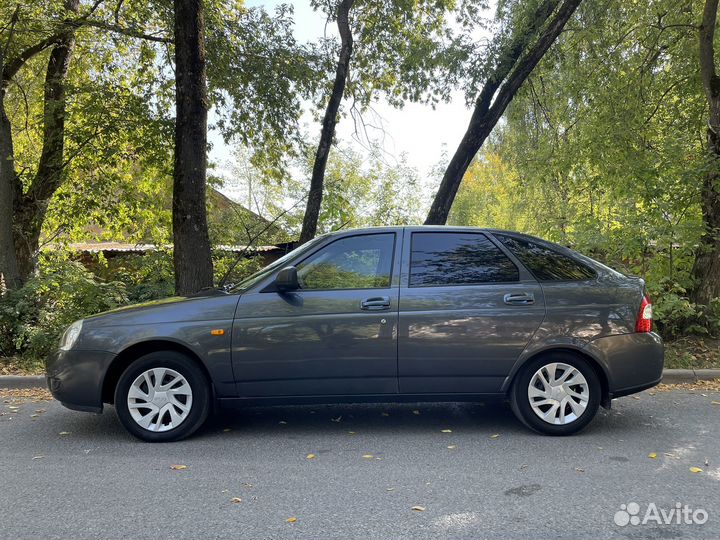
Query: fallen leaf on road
point(368, 456)
point(494, 435)
point(635, 397)
point(236, 500)
point(707, 462)
point(715, 402)
point(523, 466)
point(38, 457)
point(178, 467)
point(351, 433)
point(291, 519)
point(652, 455)
point(310, 456)
point(446, 430)
point(63, 433)
point(452, 447)
point(390, 489)
point(695, 469)
point(579, 469)
point(418, 508)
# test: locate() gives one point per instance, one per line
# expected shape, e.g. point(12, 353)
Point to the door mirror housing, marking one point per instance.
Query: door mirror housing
point(287, 280)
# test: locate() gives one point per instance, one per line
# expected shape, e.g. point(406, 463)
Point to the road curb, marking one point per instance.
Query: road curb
point(670, 376)
point(22, 381)
point(675, 376)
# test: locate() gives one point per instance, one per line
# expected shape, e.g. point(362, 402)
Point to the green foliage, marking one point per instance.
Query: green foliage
point(33, 317)
point(677, 316)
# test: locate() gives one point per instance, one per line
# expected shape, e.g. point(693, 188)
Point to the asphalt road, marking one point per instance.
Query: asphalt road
point(96, 481)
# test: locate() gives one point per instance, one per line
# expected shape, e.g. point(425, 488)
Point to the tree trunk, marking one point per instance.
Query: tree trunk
point(706, 269)
point(192, 256)
point(314, 201)
point(30, 207)
point(9, 274)
point(511, 71)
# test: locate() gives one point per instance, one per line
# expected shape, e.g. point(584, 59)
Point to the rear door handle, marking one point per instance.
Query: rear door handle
point(522, 299)
point(376, 303)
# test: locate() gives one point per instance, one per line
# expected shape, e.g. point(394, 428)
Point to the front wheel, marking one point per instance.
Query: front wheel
point(556, 394)
point(163, 396)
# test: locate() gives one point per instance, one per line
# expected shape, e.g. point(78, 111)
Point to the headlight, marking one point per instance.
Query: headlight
point(70, 336)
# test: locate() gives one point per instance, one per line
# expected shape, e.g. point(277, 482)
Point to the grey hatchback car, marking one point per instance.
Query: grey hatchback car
point(383, 314)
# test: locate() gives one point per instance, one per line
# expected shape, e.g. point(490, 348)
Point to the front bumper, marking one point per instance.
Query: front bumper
point(632, 362)
point(75, 378)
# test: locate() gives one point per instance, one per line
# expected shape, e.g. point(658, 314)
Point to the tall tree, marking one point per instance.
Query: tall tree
point(9, 273)
point(707, 263)
point(403, 51)
point(31, 206)
point(191, 256)
point(515, 60)
point(330, 119)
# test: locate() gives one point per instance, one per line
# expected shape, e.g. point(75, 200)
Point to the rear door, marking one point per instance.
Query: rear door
point(466, 312)
point(336, 335)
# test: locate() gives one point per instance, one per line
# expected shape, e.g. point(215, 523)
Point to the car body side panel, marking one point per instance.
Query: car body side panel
point(317, 342)
point(212, 350)
point(580, 312)
point(462, 338)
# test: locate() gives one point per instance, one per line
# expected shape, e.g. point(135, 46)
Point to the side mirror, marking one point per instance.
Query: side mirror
point(286, 279)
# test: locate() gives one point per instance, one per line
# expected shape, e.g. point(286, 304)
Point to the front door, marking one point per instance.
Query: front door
point(466, 313)
point(336, 335)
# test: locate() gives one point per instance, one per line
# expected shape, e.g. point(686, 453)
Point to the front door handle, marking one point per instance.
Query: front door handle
point(522, 299)
point(376, 303)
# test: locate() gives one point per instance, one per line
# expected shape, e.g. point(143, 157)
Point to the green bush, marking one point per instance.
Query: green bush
point(677, 316)
point(33, 317)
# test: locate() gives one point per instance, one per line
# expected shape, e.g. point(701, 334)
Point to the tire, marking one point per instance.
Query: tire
point(171, 415)
point(585, 398)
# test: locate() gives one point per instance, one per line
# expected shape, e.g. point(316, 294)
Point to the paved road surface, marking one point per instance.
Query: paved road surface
point(98, 482)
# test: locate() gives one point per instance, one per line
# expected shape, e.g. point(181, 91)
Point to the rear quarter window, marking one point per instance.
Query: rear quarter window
point(545, 263)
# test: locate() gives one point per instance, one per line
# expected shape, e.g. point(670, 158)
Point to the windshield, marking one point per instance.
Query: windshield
point(258, 276)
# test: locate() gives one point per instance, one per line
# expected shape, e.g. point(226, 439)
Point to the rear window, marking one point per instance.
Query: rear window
point(544, 263)
point(439, 259)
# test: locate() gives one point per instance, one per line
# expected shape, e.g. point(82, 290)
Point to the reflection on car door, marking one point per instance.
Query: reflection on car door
point(466, 313)
point(336, 335)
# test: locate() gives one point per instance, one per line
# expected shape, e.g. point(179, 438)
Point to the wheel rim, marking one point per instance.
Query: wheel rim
point(558, 393)
point(159, 399)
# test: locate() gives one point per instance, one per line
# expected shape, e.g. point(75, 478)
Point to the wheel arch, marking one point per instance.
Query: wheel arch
point(597, 366)
point(131, 353)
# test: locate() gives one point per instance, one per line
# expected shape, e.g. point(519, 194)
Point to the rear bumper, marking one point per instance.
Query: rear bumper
point(632, 362)
point(75, 378)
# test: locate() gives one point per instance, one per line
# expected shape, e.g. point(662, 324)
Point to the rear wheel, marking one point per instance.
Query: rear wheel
point(556, 394)
point(163, 396)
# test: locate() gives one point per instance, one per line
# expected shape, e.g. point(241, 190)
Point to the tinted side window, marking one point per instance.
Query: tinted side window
point(457, 259)
point(357, 262)
point(544, 263)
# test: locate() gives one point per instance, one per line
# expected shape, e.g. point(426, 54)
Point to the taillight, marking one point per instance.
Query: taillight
point(644, 317)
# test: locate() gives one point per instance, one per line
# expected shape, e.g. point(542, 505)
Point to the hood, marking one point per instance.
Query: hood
point(204, 306)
